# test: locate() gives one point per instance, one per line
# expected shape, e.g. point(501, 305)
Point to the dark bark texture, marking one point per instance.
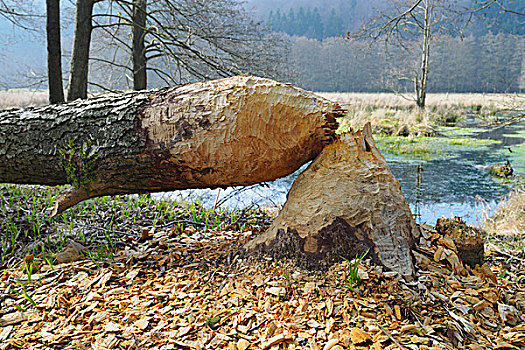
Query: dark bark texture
point(235, 131)
point(54, 52)
point(78, 78)
point(138, 49)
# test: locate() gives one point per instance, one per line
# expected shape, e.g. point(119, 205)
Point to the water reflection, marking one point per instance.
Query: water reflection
point(445, 187)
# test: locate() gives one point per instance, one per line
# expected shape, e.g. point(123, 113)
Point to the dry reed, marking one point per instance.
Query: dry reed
point(508, 217)
point(22, 98)
point(395, 114)
point(390, 100)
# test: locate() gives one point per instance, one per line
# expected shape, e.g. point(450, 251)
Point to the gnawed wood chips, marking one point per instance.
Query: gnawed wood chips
point(194, 292)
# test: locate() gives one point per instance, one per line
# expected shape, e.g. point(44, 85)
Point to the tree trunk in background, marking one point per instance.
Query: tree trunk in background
point(229, 132)
point(346, 203)
point(54, 52)
point(138, 49)
point(78, 78)
point(421, 84)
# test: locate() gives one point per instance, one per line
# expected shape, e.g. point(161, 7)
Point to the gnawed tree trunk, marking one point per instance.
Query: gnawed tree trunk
point(229, 132)
point(345, 203)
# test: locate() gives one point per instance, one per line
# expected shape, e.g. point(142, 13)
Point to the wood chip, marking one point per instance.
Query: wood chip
point(330, 344)
point(243, 344)
point(68, 255)
point(277, 291)
point(408, 328)
point(5, 332)
point(134, 300)
point(397, 312)
point(112, 327)
point(359, 336)
point(273, 341)
point(12, 318)
point(142, 323)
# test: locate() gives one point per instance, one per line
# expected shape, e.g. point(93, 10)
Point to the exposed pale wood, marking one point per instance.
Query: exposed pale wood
point(235, 131)
point(344, 204)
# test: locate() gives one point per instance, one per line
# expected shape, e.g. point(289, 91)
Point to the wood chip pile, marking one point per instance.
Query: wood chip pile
point(179, 291)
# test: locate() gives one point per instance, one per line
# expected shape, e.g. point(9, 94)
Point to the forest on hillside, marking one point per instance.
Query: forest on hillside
point(485, 54)
point(488, 63)
point(326, 18)
point(314, 44)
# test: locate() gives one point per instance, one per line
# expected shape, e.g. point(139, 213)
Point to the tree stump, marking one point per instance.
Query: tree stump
point(345, 203)
point(467, 241)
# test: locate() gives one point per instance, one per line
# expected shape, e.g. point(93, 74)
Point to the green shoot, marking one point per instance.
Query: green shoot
point(212, 322)
point(353, 279)
point(287, 278)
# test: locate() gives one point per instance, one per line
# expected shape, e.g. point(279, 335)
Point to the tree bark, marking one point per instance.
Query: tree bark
point(235, 131)
point(138, 49)
point(78, 78)
point(347, 202)
point(54, 52)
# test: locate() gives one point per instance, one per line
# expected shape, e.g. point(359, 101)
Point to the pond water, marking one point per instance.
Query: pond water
point(456, 184)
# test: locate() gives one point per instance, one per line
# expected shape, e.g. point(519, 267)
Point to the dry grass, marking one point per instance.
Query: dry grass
point(390, 100)
point(390, 121)
point(509, 216)
point(22, 98)
point(394, 114)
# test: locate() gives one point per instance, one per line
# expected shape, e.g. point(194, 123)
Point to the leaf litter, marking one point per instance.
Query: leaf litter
point(167, 289)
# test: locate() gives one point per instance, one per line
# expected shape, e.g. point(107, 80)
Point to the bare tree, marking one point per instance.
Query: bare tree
point(176, 41)
point(21, 13)
point(78, 77)
point(504, 6)
point(416, 21)
point(179, 41)
point(27, 16)
point(54, 52)
point(140, 75)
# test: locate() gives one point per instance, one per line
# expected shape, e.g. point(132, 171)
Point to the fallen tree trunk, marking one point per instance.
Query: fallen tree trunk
point(229, 132)
point(347, 202)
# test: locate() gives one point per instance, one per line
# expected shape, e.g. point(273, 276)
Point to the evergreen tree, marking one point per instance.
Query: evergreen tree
point(278, 21)
point(270, 22)
point(317, 25)
point(283, 22)
point(290, 27)
point(334, 25)
point(301, 22)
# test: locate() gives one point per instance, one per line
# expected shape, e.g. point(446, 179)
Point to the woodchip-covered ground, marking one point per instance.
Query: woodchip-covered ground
point(169, 290)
